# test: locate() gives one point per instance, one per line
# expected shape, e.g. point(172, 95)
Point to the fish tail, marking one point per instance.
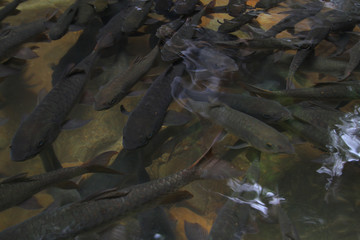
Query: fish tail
point(98, 164)
point(209, 166)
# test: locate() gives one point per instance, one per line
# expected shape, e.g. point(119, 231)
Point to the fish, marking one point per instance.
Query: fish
point(60, 28)
point(316, 115)
point(296, 15)
point(267, 4)
point(236, 8)
point(111, 205)
point(168, 29)
point(185, 7)
point(354, 60)
point(9, 8)
point(322, 91)
point(16, 189)
point(148, 116)
point(172, 47)
point(119, 86)
point(44, 124)
point(12, 37)
point(82, 48)
point(136, 16)
point(251, 130)
point(263, 109)
point(315, 36)
point(236, 23)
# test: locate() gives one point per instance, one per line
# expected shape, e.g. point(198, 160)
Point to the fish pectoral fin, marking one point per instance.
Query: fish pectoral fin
point(102, 159)
point(75, 123)
point(25, 53)
point(124, 111)
point(174, 118)
point(106, 194)
point(175, 197)
point(21, 177)
point(195, 231)
point(41, 95)
point(31, 203)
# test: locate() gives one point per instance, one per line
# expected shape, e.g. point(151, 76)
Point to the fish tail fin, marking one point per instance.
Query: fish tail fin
point(209, 166)
point(98, 164)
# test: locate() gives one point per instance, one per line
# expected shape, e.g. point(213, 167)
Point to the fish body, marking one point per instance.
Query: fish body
point(137, 15)
point(44, 124)
point(73, 219)
point(59, 29)
point(15, 36)
point(307, 10)
point(148, 116)
point(354, 60)
point(185, 7)
point(9, 8)
point(287, 227)
point(236, 7)
point(118, 87)
point(322, 91)
point(82, 48)
point(172, 48)
point(260, 108)
point(267, 4)
point(251, 130)
point(234, 24)
point(19, 188)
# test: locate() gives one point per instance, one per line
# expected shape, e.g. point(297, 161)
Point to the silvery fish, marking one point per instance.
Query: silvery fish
point(251, 130)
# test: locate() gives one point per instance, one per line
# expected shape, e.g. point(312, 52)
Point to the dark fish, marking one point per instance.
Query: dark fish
point(148, 116)
point(236, 23)
point(12, 37)
point(17, 189)
point(9, 8)
point(112, 205)
point(185, 7)
point(353, 61)
point(172, 48)
point(85, 12)
point(44, 124)
point(249, 129)
point(296, 15)
point(136, 16)
point(119, 86)
point(60, 28)
point(314, 37)
point(167, 30)
point(267, 4)
point(321, 91)
point(316, 115)
point(260, 108)
point(82, 48)
point(163, 6)
point(236, 7)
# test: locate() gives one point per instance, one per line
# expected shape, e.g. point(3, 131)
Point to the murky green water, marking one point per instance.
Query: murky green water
point(320, 189)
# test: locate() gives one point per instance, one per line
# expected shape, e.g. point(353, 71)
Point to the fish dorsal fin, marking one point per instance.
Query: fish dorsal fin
point(21, 177)
point(106, 194)
point(176, 197)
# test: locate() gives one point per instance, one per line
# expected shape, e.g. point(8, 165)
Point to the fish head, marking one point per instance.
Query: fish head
point(104, 99)
point(31, 138)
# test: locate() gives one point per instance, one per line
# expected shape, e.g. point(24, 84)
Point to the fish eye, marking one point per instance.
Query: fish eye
point(269, 145)
point(40, 144)
point(113, 101)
